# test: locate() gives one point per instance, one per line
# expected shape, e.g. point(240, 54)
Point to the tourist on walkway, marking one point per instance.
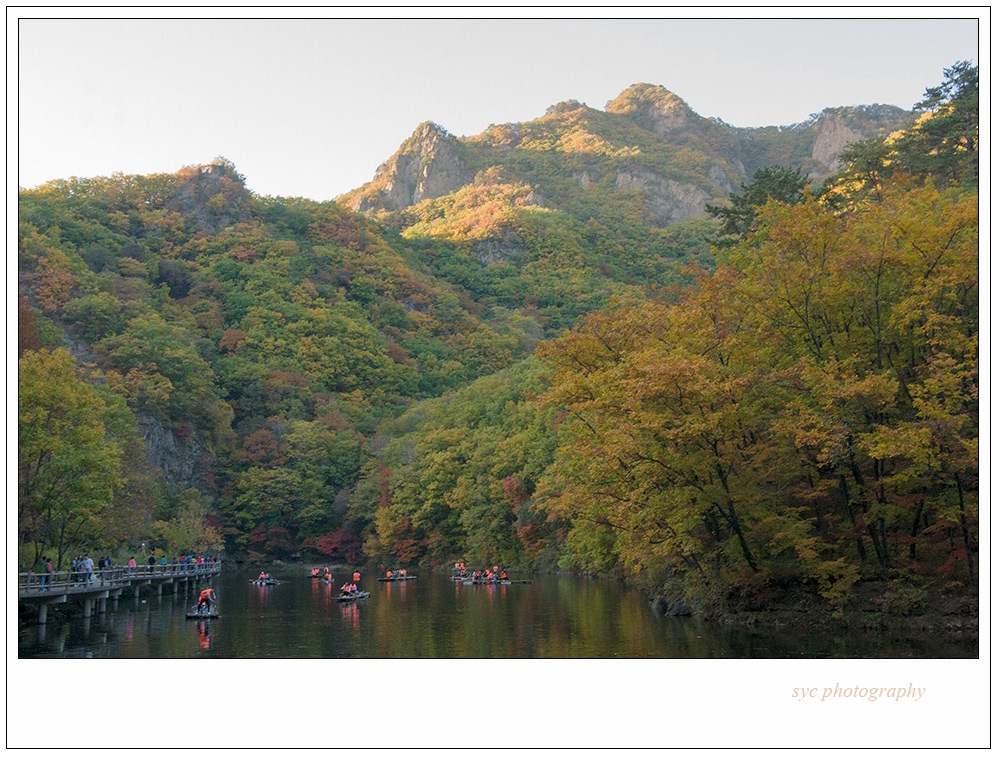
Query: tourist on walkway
point(87, 568)
point(42, 569)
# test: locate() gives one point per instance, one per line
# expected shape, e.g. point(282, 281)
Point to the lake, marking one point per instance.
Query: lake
point(435, 617)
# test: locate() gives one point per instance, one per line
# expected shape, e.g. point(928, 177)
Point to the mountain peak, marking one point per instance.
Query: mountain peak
point(654, 108)
point(428, 164)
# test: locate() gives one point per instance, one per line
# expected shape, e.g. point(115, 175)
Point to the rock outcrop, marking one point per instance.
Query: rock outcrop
point(666, 200)
point(837, 128)
point(211, 197)
point(174, 454)
point(427, 166)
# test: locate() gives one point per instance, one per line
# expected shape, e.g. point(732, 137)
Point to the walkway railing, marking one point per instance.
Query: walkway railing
point(113, 576)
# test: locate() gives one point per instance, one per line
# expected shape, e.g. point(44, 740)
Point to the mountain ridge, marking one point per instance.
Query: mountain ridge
point(647, 140)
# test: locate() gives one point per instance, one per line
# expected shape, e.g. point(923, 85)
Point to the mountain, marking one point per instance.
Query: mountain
point(647, 142)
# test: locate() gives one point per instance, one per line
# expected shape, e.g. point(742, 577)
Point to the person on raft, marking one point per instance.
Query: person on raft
point(206, 599)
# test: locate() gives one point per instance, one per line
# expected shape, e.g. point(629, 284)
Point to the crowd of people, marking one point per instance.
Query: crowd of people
point(83, 570)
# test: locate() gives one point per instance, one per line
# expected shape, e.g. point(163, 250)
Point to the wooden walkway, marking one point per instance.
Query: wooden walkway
point(106, 584)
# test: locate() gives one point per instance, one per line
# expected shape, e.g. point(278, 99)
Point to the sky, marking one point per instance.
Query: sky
point(311, 107)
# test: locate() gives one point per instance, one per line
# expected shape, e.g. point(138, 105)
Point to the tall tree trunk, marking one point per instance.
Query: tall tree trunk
point(965, 529)
point(913, 529)
point(846, 497)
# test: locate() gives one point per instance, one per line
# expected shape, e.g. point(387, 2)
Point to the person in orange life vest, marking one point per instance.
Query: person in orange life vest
point(206, 599)
point(503, 577)
point(356, 576)
point(402, 572)
point(262, 576)
point(388, 576)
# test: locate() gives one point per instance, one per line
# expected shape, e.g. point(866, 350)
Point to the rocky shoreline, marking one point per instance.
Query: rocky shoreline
point(955, 617)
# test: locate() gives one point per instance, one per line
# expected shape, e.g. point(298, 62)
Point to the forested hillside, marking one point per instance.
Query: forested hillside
point(729, 364)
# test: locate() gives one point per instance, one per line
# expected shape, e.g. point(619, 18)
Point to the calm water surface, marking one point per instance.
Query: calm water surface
point(433, 617)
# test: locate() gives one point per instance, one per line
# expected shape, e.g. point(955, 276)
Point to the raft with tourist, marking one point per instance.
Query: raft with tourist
point(323, 574)
point(494, 576)
point(206, 606)
point(352, 596)
point(351, 592)
point(396, 576)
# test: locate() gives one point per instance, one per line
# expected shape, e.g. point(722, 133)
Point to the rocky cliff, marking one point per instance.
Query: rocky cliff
point(176, 455)
point(427, 166)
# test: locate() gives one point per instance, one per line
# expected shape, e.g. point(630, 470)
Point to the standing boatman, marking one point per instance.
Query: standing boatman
point(356, 578)
point(206, 599)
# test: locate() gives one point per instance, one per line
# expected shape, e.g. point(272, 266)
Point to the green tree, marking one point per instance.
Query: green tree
point(68, 466)
point(944, 144)
point(778, 183)
point(188, 531)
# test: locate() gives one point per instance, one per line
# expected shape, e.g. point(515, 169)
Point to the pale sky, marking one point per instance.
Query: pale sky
point(311, 107)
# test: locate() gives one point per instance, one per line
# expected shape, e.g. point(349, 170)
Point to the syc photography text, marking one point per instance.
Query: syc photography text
point(896, 694)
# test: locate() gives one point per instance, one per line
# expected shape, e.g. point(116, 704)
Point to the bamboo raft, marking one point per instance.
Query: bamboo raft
point(196, 614)
point(497, 581)
point(357, 596)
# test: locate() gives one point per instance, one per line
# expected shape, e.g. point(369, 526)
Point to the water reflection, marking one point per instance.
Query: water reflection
point(434, 617)
point(204, 634)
